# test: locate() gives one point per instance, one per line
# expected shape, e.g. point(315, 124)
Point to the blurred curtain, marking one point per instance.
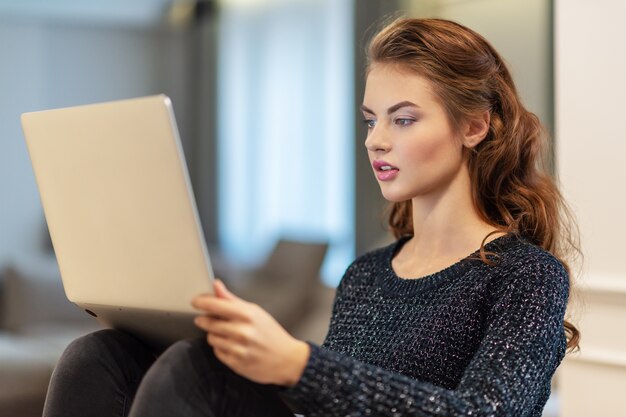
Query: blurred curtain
point(285, 128)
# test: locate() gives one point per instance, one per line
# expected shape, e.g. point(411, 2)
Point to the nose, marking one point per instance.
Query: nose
point(377, 140)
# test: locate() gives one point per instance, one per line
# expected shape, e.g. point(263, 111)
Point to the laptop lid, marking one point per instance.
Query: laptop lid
point(119, 205)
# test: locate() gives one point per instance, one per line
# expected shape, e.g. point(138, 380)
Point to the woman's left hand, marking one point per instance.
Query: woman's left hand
point(249, 340)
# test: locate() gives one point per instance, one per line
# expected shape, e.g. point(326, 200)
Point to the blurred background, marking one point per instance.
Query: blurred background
point(266, 96)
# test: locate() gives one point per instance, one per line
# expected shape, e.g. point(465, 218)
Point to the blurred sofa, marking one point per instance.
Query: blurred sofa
point(37, 321)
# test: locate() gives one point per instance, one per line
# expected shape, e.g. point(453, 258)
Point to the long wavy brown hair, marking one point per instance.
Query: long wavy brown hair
point(512, 188)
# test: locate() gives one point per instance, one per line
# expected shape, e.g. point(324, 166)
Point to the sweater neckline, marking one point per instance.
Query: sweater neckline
point(393, 284)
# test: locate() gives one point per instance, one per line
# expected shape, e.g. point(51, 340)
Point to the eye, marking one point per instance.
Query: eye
point(404, 121)
point(370, 123)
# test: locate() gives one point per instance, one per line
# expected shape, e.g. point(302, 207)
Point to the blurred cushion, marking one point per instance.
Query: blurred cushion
point(33, 294)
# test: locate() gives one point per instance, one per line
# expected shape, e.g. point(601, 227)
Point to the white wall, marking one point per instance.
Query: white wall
point(590, 64)
point(591, 134)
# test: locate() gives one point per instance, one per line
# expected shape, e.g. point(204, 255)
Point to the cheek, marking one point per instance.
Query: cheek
point(424, 153)
point(434, 152)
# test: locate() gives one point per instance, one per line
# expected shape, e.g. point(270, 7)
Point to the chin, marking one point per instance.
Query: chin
point(395, 200)
point(395, 197)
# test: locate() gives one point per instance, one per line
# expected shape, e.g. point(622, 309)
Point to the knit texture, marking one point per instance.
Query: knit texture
point(470, 340)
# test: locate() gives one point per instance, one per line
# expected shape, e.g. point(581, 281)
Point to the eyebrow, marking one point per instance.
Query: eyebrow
point(393, 108)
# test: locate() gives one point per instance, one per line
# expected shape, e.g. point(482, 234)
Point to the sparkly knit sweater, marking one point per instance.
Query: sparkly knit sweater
point(470, 340)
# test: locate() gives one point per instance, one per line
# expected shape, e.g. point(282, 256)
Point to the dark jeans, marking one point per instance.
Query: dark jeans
point(109, 373)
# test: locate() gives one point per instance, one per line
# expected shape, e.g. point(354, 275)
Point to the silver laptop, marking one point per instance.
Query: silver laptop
point(121, 213)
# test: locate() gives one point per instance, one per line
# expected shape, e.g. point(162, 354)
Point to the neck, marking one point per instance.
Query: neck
point(446, 221)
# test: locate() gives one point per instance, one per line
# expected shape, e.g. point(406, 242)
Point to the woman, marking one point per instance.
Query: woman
point(419, 327)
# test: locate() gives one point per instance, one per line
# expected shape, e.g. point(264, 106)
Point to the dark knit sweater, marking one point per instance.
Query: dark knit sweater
point(470, 340)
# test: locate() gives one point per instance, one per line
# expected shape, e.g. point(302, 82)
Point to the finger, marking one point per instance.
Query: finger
point(226, 358)
point(228, 329)
point(222, 292)
point(226, 346)
point(227, 309)
point(206, 324)
point(221, 352)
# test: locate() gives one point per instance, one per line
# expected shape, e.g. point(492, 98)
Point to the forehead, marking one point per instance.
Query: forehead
point(387, 84)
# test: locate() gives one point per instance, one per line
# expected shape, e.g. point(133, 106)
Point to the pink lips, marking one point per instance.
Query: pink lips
point(384, 171)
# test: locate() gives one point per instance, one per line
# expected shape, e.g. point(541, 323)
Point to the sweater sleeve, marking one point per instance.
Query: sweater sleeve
point(508, 376)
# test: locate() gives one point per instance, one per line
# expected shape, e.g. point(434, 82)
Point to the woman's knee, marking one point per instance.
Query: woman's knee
point(89, 347)
point(189, 355)
point(109, 349)
point(100, 370)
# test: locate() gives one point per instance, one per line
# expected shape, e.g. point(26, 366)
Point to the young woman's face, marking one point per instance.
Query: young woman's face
point(412, 147)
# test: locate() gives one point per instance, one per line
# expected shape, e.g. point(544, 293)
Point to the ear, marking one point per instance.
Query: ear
point(476, 129)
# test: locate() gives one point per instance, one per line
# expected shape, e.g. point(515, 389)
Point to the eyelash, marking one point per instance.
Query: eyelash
point(402, 122)
point(405, 121)
point(369, 123)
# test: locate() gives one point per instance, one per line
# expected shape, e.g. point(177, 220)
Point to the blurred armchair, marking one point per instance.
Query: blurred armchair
point(288, 285)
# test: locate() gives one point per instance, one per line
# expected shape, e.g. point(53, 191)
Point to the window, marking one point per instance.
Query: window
point(285, 134)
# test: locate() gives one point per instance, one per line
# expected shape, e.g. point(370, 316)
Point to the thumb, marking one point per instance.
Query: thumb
point(222, 292)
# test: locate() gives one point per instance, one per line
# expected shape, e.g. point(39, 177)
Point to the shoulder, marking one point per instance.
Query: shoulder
point(524, 256)
point(523, 267)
